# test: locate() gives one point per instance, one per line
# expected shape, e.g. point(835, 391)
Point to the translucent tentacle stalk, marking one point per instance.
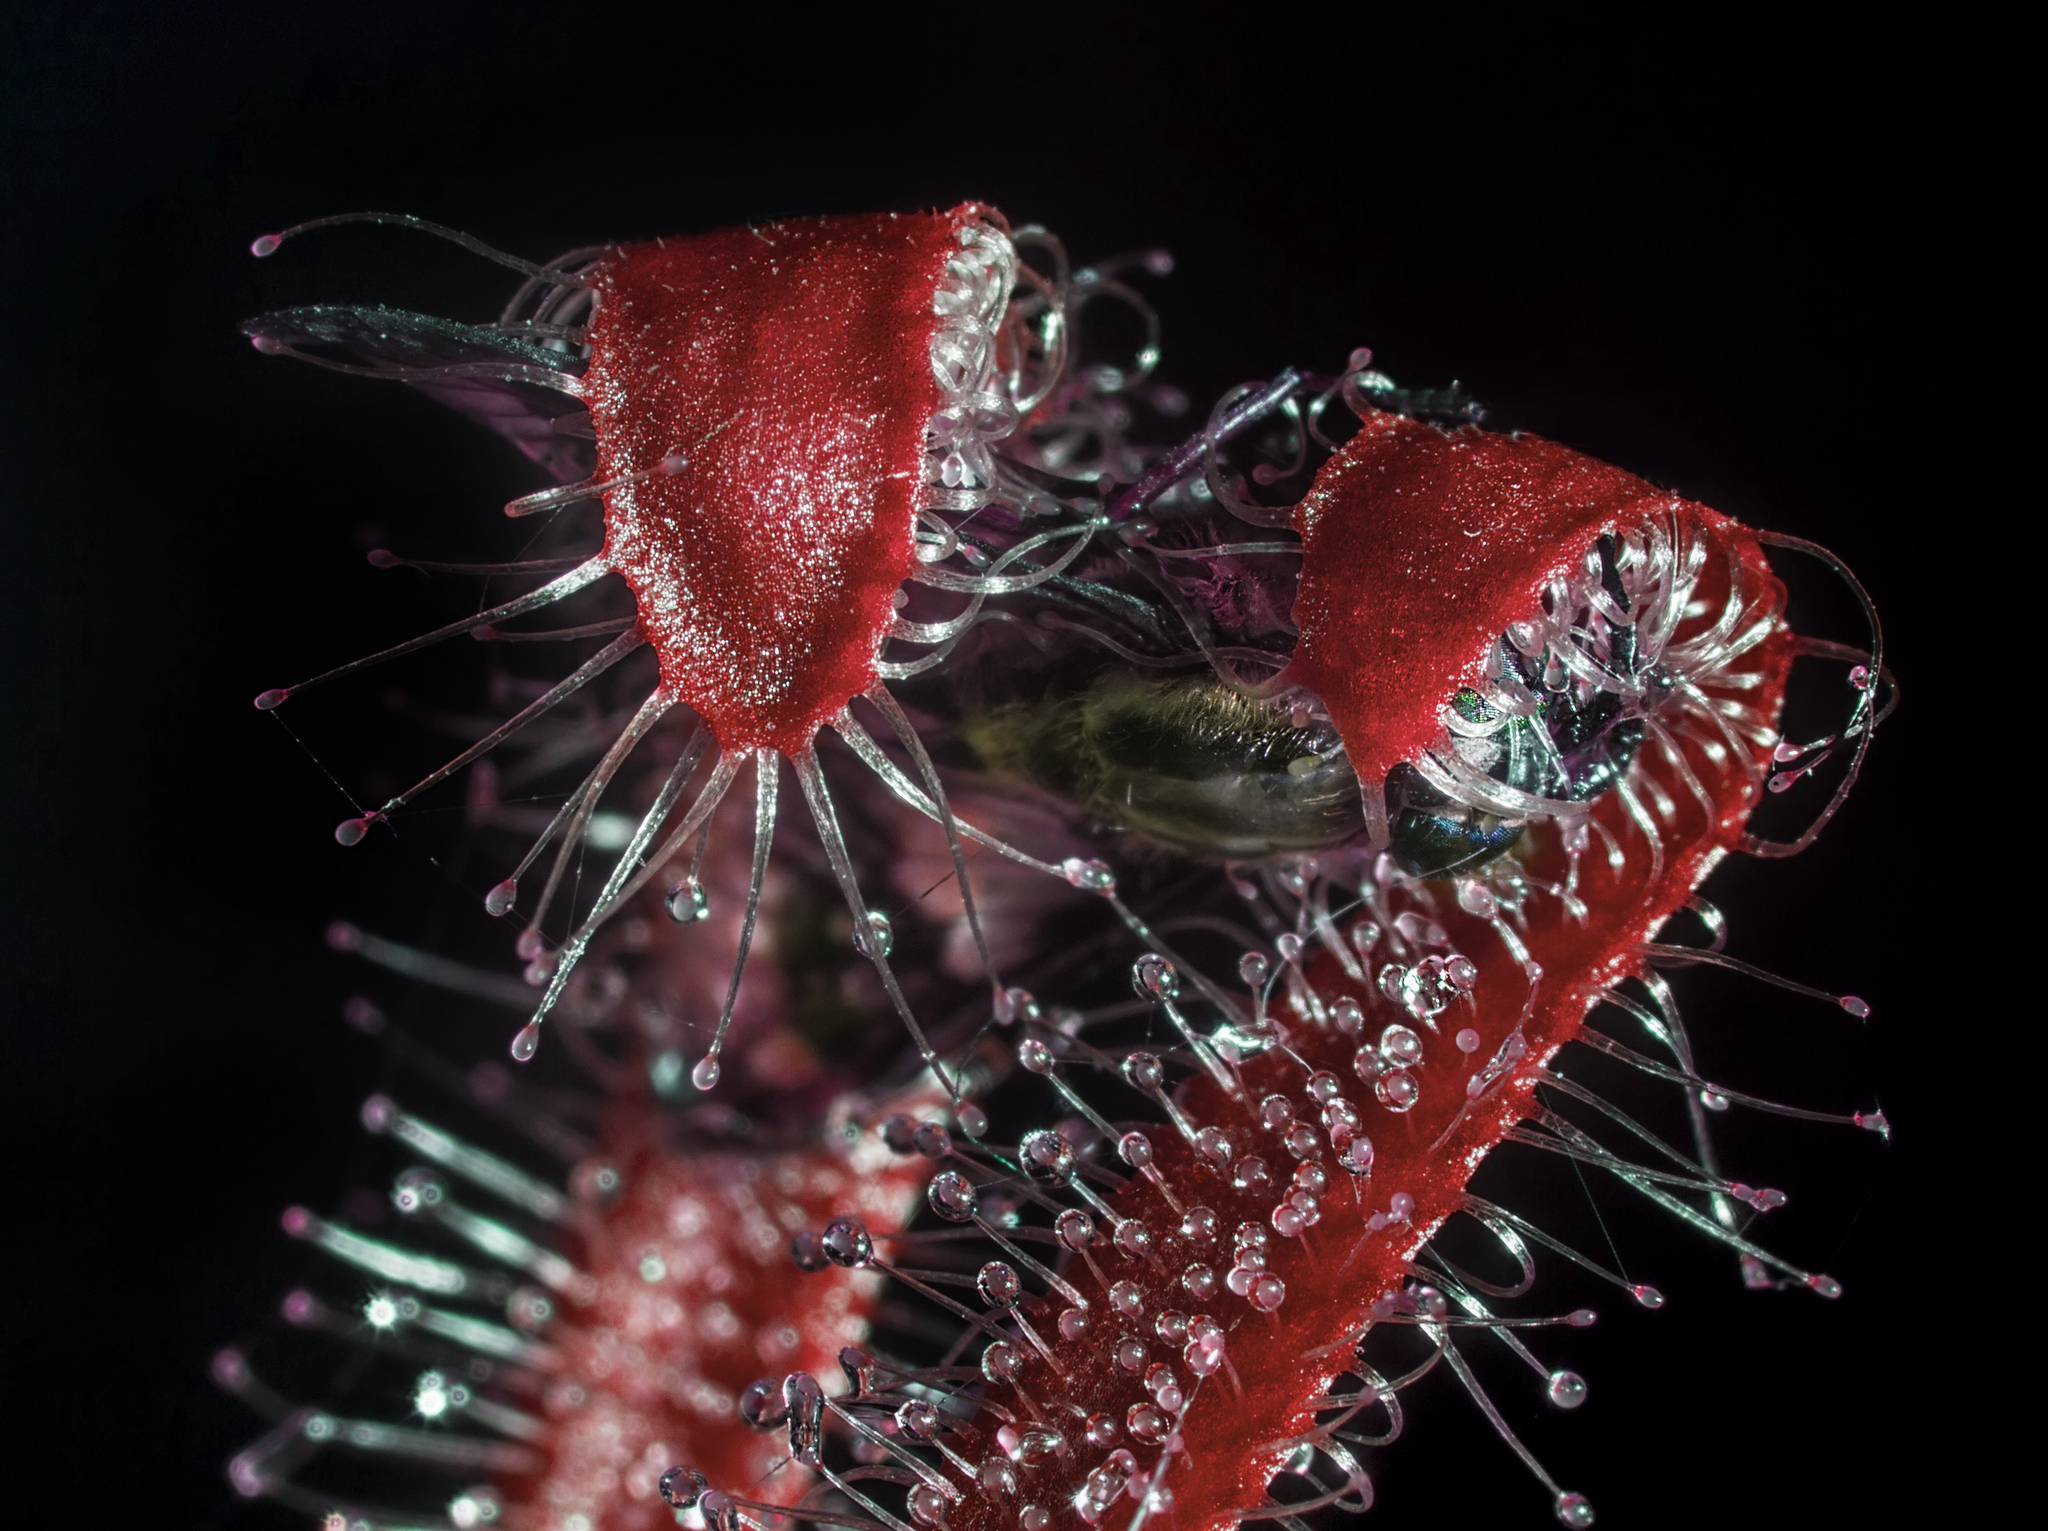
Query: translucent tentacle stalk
point(1641, 1181)
point(588, 671)
point(696, 821)
point(554, 590)
point(1572, 1509)
point(1685, 956)
point(889, 708)
point(909, 793)
point(1489, 1212)
point(1862, 723)
point(610, 896)
point(767, 775)
point(267, 245)
point(812, 779)
point(650, 713)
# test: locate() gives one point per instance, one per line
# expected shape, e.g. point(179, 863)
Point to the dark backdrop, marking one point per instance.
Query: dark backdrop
point(1749, 257)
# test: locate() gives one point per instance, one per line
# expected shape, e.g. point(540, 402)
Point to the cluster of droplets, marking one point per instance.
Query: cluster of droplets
point(974, 412)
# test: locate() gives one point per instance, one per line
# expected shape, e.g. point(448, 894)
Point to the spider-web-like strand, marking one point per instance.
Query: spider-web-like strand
point(588, 671)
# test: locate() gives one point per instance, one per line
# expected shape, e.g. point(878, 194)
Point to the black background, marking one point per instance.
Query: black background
point(1750, 257)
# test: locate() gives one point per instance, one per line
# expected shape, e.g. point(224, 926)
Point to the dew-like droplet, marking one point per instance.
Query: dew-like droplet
point(762, 1405)
point(498, 901)
point(951, 1195)
point(275, 697)
point(351, 831)
point(1856, 1007)
point(932, 1140)
point(1268, 1292)
point(1648, 1296)
point(927, 1505)
point(719, 1512)
point(682, 1487)
point(971, 1120)
point(1467, 1040)
point(1827, 1286)
point(847, 1243)
point(1048, 1158)
point(1251, 1175)
point(1075, 1228)
point(526, 1043)
point(1094, 876)
point(998, 1284)
point(1567, 1389)
point(997, 1476)
point(1154, 977)
point(1347, 1015)
point(705, 1075)
point(1476, 898)
point(1035, 1056)
point(1253, 967)
point(686, 902)
point(877, 937)
point(1145, 1423)
point(1073, 1323)
point(1143, 1071)
point(1401, 1045)
point(920, 1421)
point(1397, 1091)
point(1199, 1225)
point(1002, 1362)
point(263, 246)
point(1132, 1238)
point(1574, 1510)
